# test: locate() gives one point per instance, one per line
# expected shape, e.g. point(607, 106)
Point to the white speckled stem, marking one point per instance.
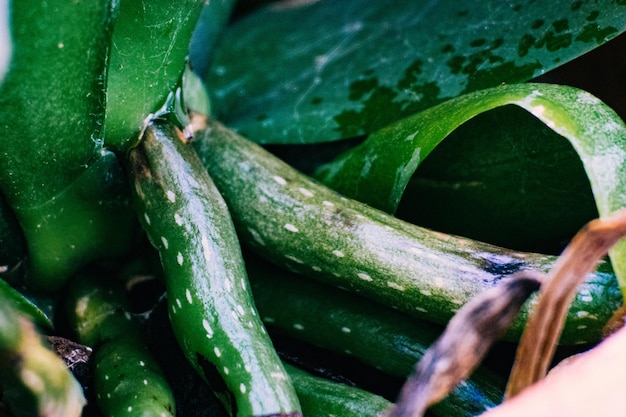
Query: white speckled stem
point(210, 306)
point(323, 235)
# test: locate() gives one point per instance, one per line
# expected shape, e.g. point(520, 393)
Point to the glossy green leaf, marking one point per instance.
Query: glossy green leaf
point(211, 23)
point(91, 219)
point(521, 188)
point(149, 46)
point(51, 110)
point(373, 174)
point(305, 72)
point(51, 114)
point(25, 306)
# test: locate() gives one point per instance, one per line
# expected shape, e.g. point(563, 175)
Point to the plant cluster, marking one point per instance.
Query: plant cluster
point(248, 208)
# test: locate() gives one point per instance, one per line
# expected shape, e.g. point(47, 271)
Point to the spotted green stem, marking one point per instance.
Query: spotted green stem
point(127, 378)
point(209, 302)
point(347, 324)
point(295, 222)
point(321, 397)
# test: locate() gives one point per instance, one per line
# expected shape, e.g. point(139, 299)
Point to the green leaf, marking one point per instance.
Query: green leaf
point(211, 24)
point(25, 306)
point(51, 114)
point(90, 220)
point(372, 174)
point(505, 178)
point(149, 47)
point(51, 100)
point(328, 70)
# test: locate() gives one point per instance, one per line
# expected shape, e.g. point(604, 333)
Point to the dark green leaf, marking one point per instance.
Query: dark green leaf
point(211, 23)
point(305, 72)
point(148, 52)
point(503, 177)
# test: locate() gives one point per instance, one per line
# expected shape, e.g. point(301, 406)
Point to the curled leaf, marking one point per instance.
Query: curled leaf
point(373, 174)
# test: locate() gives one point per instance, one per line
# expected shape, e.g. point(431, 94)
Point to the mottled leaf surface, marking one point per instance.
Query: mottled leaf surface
point(325, 70)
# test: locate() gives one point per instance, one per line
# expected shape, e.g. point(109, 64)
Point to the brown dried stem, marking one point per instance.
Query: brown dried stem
point(545, 323)
point(464, 343)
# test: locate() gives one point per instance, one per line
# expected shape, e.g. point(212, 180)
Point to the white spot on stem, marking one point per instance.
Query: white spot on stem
point(305, 192)
point(395, 286)
point(256, 236)
point(206, 249)
point(207, 326)
point(279, 180)
point(364, 276)
point(293, 258)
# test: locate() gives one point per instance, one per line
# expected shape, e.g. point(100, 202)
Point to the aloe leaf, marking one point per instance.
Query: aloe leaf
point(308, 72)
point(149, 46)
point(372, 173)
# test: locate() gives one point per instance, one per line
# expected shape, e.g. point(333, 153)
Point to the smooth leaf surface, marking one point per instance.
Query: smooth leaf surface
point(316, 71)
point(211, 23)
point(50, 110)
point(149, 46)
point(51, 114)
point(505, 178)
point(374, 174)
